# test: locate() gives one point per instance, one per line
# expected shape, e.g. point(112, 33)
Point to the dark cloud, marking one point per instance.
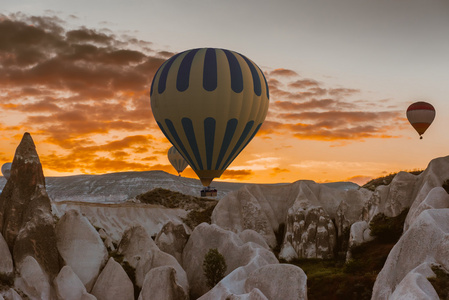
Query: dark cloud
point(74, 83)
point(237, 174)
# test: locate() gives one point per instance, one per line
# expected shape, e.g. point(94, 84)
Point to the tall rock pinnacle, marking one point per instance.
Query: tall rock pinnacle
point(26, 221)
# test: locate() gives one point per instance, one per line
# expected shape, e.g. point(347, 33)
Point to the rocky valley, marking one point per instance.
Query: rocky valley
point(94, 237)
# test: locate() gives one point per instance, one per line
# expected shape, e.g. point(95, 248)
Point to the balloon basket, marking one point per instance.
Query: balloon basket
point(209, 192)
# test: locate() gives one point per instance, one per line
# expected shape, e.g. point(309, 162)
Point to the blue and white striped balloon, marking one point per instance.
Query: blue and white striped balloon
point(209, 103)
point(177, 161)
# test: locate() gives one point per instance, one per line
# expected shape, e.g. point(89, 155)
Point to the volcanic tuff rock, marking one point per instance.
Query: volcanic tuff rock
point(68, 286)
point(172, 238)
point(279, 281)
point(6, 264)
point(391, 199)
point(113, 283)
point(426, 241)
point(141, 252)
point(33, 280)
point(415, 285)
point(26, 221)
point(161, 284)
point(241, 259)
point(306, 208)
point(81, 247)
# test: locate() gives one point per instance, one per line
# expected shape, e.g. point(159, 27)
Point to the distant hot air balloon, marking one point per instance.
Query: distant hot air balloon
point(209, 103)
point(420, 115)
point(177, 161)
point(6, 170)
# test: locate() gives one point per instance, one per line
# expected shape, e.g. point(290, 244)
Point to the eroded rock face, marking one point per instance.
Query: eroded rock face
point(68, 286)
point(279, 281)
point(241, 259)
point(81, 247)
point(6, 264)
point(415, 285)
point(26, 221)
point(310, 231)
point(161, 284)
point(113, 283)
point(263, 208)
point(33, 280)
point(426, 241)
point(142, 253)
point(391, 199)
point(172, 238)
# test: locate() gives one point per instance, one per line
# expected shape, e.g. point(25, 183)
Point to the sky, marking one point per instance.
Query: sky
point(341, 74)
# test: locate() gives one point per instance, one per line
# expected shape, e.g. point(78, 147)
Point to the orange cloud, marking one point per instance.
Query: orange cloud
point(283, 72)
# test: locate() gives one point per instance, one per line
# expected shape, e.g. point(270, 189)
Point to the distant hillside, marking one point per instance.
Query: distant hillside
point(385, 180)
point(123, 186)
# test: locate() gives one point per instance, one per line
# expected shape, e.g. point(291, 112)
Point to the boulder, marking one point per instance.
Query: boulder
point(241, 259)
point(26, 221)
point(33, 280)
point(81, 247)
point(113, 283)
point(172, 238)
point(416, 286)
point(426, 241)
point(6, 264)
point(142, 253)
point(161, 284)
point(279, 281)
point(68, 286)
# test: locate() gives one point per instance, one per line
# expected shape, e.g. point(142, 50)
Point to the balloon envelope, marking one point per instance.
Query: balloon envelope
point(209, 103)
point(421, 115)
point(6, 170)
point(177, 161)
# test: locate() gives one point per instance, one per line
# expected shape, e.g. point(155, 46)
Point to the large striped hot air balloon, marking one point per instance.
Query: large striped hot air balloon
point(209, 103)
point(420, 115)
point(177, 161)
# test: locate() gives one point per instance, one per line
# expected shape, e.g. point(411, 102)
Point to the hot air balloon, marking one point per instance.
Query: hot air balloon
point(209, 103)
point(177, 161)
point(420, 115)
point(6, 170)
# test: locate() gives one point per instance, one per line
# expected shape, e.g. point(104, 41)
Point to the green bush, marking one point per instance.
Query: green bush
point(388, 229)
point(214, 267)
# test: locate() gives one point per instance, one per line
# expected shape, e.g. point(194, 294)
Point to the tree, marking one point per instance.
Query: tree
point(214, 267)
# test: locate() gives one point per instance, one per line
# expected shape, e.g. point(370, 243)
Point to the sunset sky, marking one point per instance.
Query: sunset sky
point(341, 74)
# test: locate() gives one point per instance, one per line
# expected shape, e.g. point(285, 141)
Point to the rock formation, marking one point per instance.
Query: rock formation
point(81, 247)
point(6, 264)
point(113, 283)
point(26, 221)
point(278, 281)
point(172, 238)
point(426, 241)
point(161, 284)
point(308, 210)
point(33, 280)
point(245, 257)
point(69, 287)
point(141, 252)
